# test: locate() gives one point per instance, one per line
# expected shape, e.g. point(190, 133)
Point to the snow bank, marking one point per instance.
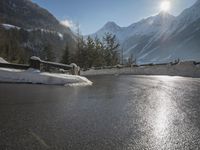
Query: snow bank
point(37, 77)
point(186, 69)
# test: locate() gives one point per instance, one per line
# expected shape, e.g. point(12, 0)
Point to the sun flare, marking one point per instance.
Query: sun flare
point(165, 6)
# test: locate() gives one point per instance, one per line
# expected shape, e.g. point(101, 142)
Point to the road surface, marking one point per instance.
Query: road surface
point(116, 113)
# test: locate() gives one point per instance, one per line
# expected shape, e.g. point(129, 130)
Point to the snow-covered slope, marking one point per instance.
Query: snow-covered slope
point(187, 17)
point(9, 26)
point(179, 41)
point(160, 38)
point(134, 38)
point(109, 27)
point(148, 26)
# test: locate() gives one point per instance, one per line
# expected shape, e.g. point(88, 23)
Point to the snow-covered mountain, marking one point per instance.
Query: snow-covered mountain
point(138, 35)
point(187, 17)
point(146, 26)
point(180, 40)
point(109, 27)
point(160, 38)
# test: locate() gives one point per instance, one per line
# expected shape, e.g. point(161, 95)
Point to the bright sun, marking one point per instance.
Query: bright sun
point(165, 6)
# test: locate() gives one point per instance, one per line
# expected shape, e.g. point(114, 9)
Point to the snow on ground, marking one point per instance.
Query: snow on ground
point(2, 60)
point(60, 35)
point(37, 77)
point(185, 69)
point(9, 26)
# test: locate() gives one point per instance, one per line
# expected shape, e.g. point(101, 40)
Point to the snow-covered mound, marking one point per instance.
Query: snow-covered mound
point(37, 77)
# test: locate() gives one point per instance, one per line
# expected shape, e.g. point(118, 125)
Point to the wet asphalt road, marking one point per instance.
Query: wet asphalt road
point(116, 113)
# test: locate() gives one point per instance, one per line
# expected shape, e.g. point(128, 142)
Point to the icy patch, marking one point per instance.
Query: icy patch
point(37, 77)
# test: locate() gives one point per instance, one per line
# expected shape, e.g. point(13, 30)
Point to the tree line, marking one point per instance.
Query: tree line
point(94, 52)
point(89, 52)
point(10, 47)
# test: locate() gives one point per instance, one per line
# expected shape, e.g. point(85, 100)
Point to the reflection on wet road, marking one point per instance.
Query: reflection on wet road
point(117, 112)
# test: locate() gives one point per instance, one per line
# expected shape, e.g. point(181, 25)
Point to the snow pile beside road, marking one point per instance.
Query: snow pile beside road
point(186, 69)
point(37, 77)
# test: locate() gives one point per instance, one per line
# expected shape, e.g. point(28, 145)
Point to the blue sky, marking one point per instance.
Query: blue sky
point(91, 15)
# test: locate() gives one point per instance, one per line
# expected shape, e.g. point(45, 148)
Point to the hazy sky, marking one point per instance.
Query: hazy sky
point(93, 14)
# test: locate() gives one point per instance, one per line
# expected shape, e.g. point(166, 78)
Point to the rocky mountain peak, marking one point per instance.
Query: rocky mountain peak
point(111, 26)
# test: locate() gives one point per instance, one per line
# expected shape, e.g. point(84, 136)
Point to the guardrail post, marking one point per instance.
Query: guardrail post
point(75, 69)
point(35, 62)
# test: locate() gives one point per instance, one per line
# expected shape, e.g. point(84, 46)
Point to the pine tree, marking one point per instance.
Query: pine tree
point(111, 49)
point(94, 53)
point(48, 54)
point(131, 60)
point(90, 52)
point(81, 54)
point(99, 53)
point(66, 56)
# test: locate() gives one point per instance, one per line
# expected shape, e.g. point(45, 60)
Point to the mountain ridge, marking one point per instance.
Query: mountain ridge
point(28, 15)
point(156, 38)
point(35, 27)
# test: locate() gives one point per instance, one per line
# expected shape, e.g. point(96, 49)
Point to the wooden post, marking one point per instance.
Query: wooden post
point(35, 62)
point(75, 69)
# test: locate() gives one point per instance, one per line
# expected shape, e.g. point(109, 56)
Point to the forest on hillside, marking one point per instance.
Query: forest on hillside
point(18, 45)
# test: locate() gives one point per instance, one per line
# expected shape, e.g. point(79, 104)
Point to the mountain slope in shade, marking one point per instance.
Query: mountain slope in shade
point(40, 26)
point(28, 15)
